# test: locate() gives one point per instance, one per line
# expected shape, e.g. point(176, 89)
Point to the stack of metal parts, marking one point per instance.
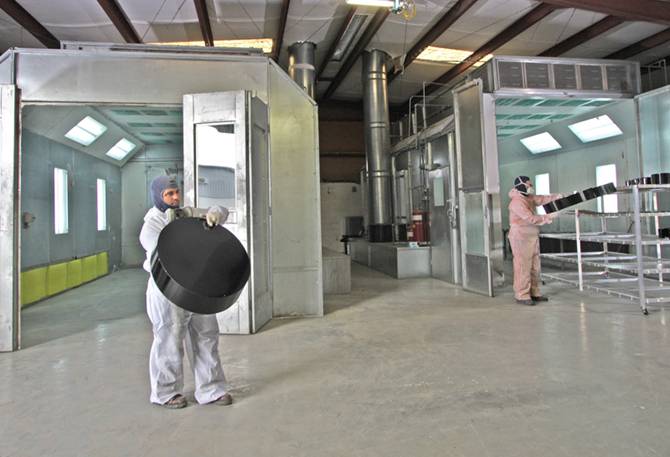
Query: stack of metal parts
point(579, 197)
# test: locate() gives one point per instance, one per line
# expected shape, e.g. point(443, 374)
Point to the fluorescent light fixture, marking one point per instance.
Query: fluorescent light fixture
point(543, 142)
point(542, 188)
point(121, 149)
point(378, 3)
point(101, 197)
point(449, 55)
point(595, 129)
point(607, 174)
point(61, 223)
point(265, 44)
point(86, 131)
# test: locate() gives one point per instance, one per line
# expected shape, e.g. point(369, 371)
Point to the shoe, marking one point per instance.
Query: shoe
point(176, 402)
point(223, 400)
point(540, 298)
point(526, 302)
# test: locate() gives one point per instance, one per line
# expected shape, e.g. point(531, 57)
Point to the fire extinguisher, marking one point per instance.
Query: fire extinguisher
point(419, 226)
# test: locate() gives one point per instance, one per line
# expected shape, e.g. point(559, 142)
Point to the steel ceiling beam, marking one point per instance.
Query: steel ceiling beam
point(520, 25)
point(120, 20)
point(203, 19)
point(583, 36)
point(28, 22)
point(276, 48)
point(632, 10)
point(374, 25)
point(441, 26)
point(336, 42)
point(643, 45)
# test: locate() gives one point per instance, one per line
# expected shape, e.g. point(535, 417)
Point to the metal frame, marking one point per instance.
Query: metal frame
point(634, 276)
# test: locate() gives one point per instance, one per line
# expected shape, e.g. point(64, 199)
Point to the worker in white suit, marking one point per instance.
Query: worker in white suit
point(174, 327)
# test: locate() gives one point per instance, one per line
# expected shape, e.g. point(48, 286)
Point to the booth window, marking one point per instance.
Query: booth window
point(86, 131)
point(542, 188)
point(102, 204)
point(61, 225)
point(607, 174)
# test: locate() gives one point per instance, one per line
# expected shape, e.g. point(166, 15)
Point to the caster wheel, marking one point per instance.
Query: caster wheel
point(645, 312)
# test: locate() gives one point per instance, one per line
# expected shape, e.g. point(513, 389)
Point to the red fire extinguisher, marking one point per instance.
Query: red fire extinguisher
point(419, 227)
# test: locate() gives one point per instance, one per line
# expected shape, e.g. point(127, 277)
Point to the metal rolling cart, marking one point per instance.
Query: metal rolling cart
point(637, 276)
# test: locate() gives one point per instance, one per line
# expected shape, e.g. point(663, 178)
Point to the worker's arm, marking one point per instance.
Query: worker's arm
point(540, 200)
point(149, 235)
point(522, 211)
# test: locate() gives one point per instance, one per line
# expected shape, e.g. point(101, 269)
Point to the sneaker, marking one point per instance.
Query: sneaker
point(176, 402)
point(223, 400)
point(540, 298)
point(525, 302)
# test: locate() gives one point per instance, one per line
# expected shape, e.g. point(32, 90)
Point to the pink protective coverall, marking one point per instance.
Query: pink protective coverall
point(525, 241)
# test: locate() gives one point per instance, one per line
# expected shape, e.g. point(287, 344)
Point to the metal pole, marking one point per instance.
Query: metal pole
point(659, 250)
point(579, 251)
point(638, 249)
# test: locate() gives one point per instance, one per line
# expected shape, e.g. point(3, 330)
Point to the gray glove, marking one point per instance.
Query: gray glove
point(216, 215)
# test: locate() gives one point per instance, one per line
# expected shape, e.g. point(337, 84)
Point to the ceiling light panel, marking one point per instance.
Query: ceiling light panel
point(598, 128)
point(121, 149)
point(264, 44)
point(543, 142)
point(449, 55)
point(86, 131)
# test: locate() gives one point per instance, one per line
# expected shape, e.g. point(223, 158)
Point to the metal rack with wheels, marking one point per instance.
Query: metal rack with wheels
point(637, 276)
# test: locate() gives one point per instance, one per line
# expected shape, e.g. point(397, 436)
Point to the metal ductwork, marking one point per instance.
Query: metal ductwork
point(301, 66)
point(377, 145)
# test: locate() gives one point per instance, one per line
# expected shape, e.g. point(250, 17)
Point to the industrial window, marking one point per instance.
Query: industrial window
point(102, 204)
point(542, 188)
point(61, 225)
point(86, 131)
point(595, 129)
point(607, 174)
point(540, 143)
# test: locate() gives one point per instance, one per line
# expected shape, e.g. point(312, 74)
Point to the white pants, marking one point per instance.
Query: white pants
point(173, 327)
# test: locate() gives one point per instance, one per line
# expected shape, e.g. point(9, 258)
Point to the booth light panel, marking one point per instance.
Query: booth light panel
point(265, 44)
point(121, 149)
point(543, 142)
point(86, 131)
point(595, 129)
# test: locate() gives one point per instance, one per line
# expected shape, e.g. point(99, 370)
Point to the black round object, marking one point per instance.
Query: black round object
point(550, 207)
point(199, 269)
point(660, 178)
point(593, 192)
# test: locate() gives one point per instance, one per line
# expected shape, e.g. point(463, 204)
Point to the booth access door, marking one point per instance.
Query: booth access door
point(226, 163)
point(478, 185)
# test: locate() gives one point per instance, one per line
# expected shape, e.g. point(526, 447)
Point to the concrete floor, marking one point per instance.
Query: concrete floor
point(397, 368)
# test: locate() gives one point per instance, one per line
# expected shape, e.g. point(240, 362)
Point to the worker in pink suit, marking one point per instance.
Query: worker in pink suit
point(525, 240)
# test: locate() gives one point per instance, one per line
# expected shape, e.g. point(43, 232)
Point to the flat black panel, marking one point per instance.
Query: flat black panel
point(510, 74)
point(592, 77)
point(565, 77)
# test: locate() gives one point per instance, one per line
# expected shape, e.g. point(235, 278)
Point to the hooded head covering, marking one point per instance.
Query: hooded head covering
point(159, 185)
point(520, 184)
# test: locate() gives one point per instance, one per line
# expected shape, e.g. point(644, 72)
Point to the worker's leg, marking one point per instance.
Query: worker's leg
point(522, 250)
point(535, 271)
point(167, 351)
point(202, 344)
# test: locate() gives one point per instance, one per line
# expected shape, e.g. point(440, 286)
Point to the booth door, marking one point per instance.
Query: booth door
point(9, 219)
point(475, 203)
point(226, 164)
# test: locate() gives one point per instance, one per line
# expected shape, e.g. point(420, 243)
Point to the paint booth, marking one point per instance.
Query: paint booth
point(568, 124)
point(84, 131)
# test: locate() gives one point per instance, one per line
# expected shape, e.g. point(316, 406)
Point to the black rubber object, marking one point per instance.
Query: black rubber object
point(660, 178)
point(579, 197)
point(380, 233)
point(199, 269)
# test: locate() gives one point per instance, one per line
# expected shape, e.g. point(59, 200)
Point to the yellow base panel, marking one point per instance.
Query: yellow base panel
point(56, 278)
point(33, 285)
point(73, 273)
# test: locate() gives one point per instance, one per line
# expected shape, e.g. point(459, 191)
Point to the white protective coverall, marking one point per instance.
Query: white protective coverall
point(524, 239)
point(173, 327)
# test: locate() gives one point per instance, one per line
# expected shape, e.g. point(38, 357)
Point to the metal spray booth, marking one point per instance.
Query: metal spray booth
point(247, 99)
point(446, 163)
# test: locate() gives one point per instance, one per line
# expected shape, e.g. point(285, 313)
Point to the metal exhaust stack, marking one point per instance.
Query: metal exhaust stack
point(377, 145)
point(301, 66)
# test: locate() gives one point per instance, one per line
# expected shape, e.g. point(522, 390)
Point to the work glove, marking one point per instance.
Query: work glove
point(216, 215)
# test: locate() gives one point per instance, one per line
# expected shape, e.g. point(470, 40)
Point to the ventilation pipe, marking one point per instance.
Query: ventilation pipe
point(377, 145)
point(301, 66)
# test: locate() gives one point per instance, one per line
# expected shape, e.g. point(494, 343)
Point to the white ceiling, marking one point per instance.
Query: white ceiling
point(320, 20)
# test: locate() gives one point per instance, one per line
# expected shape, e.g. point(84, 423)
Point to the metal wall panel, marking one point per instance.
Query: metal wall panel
point(9, 217)
point(296, 202)
point(130, 78)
